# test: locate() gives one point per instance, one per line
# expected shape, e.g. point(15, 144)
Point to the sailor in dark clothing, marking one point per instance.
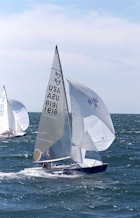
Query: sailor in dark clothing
point(45, 166)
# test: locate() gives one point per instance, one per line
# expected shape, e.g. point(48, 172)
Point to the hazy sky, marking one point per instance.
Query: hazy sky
point(98, 43)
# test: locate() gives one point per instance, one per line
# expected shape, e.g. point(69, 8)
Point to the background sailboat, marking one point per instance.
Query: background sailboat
point(92, 127)
point(14, 119)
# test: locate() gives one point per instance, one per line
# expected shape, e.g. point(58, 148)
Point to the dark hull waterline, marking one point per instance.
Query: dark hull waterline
point(87, 170)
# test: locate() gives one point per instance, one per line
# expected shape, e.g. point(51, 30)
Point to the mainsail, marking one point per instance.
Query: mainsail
point(50, 145)
point(4, 124)
point(92, 128)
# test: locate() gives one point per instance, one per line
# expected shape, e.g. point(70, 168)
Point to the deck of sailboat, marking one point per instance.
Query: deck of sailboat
point(73, 169)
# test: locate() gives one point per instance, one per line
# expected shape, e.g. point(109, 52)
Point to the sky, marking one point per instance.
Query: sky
point(98, 43)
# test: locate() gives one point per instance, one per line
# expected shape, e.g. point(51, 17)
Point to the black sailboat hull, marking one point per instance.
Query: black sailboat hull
point(87, 170)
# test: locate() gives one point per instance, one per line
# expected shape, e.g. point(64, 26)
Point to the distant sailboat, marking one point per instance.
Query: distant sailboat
point(92, 127)
point(14, 119)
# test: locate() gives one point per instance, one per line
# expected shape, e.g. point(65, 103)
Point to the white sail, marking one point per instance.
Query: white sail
point(49, 144)
point(20, 115)
point(14, 119)
point(92, 128)
point(4, 123)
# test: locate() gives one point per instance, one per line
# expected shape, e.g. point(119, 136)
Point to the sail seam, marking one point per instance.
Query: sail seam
point(44, 140)
point(46, 115)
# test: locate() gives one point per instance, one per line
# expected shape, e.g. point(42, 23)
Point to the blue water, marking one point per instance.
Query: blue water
point(26, 191)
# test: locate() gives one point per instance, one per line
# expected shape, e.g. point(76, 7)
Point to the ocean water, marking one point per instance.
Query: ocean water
point(26, 191)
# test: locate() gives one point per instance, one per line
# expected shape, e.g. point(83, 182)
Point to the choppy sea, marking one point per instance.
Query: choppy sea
point(26, 191)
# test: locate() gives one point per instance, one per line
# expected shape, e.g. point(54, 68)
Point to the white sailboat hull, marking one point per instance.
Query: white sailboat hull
point(18, 134)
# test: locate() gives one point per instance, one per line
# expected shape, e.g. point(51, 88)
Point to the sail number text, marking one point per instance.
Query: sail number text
point(53, 95)
point(93, 101)
point(51, 107)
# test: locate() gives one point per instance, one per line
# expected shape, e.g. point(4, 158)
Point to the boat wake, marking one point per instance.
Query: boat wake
point(36, 172)
point(40, 172)
point(4, 175)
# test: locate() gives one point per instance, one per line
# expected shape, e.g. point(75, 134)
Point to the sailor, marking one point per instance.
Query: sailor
point(45, 165)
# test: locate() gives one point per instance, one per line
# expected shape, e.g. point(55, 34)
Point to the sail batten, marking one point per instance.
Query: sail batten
point(51, 116)
point(56, 69)
point(44, 140)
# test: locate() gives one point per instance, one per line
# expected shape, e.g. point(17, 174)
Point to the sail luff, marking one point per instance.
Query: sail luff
point(67, 108)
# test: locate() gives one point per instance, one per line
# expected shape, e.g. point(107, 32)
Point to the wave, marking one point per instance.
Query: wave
point(35, 172)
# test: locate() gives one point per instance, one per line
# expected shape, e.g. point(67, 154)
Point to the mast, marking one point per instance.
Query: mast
point(56, 49)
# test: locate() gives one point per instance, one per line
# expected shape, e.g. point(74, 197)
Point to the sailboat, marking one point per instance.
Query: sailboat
point(14, 119)
point(72, 146)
